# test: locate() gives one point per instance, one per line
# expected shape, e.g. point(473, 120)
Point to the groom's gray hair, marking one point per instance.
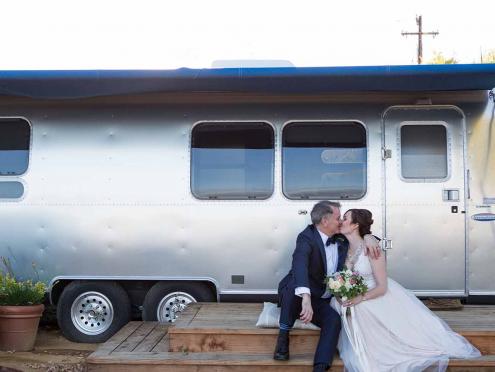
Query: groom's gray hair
point(321, 209)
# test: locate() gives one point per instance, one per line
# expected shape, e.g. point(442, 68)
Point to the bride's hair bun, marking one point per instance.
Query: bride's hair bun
point(363, 218)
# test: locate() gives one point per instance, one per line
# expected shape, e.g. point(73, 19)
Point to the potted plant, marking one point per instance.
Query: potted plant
point(21, 306)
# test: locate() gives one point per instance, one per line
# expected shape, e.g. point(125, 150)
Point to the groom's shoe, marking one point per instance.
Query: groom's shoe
point(282, 348)
point(320, 367)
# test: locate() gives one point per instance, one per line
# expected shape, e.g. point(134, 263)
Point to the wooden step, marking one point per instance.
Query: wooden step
point(226, 327)
point(206, 362)
point(226, 362)
point(143, 346)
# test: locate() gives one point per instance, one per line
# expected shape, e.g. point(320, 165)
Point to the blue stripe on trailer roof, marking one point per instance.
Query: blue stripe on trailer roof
point(68, 84)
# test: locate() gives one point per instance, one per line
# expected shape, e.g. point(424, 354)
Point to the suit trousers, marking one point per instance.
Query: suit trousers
point(324, 316)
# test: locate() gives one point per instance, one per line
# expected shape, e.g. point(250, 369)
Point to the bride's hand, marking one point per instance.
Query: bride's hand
point(372, 246)
point(353, 302)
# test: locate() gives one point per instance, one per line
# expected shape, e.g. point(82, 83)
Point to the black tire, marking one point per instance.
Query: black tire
point(112, 291)
point(200, 292)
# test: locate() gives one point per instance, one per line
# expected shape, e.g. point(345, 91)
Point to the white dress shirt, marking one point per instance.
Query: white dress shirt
point(331, 251)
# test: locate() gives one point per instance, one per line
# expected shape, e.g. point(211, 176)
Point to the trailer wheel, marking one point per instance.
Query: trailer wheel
point(92, 311)
point(166, 300)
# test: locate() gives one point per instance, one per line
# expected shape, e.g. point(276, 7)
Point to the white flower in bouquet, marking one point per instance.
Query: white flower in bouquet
point(346, 284)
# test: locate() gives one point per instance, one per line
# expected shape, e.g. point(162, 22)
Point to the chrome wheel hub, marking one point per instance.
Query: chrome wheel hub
point(92, 313)
point(172, 305)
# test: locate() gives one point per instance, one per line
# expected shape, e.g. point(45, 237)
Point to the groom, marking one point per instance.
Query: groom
point(320, 251)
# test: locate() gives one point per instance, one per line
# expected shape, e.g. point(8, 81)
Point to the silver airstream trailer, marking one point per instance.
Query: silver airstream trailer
point(143, 191)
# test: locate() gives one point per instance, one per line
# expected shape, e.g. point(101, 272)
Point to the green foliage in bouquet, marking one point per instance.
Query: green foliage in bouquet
point(346, 284)
point(19, 293)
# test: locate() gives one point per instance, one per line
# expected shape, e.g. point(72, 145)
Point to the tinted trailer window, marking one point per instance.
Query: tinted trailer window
point(324, 160)
point(14, 146)
point(15, 138)
point(232, 160)
point(424, 151)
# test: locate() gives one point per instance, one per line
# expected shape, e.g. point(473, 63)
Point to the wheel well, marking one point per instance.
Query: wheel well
point(57, 289)
point(136, 289)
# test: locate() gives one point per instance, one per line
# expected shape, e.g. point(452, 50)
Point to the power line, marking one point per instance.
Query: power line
point(420, 33)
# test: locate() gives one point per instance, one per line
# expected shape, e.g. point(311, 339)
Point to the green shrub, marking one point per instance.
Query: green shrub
point(13, 292)
point(19, 293)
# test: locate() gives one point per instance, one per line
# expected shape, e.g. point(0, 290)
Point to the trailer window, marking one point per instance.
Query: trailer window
point(11, 190)
point(14, 146)
point(324, 160)
point(232, 160)
point(423, 151)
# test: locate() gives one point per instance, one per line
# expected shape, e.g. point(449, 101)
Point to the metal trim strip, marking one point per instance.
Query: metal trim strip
point(146, 278)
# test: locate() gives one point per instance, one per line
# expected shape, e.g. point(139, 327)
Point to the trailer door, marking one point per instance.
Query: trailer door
point(424, 198)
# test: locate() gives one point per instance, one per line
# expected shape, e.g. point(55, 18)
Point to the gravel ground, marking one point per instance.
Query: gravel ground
point(52, 353)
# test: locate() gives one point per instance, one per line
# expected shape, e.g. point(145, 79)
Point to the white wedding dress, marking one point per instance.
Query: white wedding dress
point(396, 332)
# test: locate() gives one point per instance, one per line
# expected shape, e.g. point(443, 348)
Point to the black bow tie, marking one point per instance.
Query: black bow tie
point(331, 240)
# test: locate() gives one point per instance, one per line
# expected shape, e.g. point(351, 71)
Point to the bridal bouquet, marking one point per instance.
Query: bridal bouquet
point(346, 284)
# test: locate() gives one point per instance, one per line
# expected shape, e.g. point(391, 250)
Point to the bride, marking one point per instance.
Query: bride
point(388, 328)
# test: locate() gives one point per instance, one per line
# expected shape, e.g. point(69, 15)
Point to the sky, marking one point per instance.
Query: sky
point(146, 34)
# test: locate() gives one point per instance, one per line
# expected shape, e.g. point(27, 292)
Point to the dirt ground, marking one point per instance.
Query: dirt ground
point(52, 353)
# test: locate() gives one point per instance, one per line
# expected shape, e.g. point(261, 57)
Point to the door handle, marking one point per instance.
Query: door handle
point(450, 195)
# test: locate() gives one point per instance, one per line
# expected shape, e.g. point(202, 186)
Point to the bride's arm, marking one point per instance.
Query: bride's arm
point(379, 268)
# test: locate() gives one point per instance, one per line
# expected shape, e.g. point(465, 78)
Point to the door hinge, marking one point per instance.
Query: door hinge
point(386, 153)
point(386, 244)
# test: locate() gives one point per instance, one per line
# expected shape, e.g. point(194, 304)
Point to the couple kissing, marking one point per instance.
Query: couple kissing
point(386, 329)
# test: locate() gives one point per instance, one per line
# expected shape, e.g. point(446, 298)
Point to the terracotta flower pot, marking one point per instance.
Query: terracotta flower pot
point(19, 326)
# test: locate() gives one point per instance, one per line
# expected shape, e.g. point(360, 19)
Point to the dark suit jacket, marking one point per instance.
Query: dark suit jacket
point(309, 262)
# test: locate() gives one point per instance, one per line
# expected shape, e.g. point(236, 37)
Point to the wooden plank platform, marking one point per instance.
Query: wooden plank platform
point(218, 327)
point(223, 337)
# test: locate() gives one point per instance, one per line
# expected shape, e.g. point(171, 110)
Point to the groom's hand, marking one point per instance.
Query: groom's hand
point(372, 246)
point(307, 311)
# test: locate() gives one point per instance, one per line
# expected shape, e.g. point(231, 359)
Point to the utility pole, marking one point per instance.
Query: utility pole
point(420, 33)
